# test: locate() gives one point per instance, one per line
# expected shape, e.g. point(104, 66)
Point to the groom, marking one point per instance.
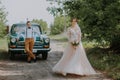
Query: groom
point(29, 42)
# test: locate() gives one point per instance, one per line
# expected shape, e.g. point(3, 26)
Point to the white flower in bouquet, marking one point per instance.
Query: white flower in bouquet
point(75, 43)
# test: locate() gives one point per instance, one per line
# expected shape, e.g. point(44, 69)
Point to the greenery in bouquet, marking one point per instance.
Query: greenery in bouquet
point(75, 43)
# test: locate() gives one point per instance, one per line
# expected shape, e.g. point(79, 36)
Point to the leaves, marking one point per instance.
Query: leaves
point(42, 23)
point(99, 18)
point(2, 21)
point(60, 24)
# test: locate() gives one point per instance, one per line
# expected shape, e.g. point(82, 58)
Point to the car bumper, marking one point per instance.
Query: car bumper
point(34, 50)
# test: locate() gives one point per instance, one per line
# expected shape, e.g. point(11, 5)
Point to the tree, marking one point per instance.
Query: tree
point(100, 19)
point(59, 24)
point(2, 20)
point(61, 20)
point(42, 23)
point(56, 8)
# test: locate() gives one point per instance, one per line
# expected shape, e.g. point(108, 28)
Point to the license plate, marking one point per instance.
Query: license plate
point(34, 50)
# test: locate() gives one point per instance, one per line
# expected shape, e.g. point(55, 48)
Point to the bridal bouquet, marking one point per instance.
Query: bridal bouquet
point(75, 44)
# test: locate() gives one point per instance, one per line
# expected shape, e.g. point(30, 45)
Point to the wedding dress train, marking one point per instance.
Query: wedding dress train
point(74, 60)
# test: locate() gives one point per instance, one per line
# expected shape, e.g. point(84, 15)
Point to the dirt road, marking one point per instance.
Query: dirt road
point(19, 69)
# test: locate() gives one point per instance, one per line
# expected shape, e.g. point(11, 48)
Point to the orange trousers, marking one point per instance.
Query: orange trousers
point(29, 43)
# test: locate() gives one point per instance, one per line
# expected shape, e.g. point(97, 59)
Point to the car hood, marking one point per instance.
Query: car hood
point(36, 36)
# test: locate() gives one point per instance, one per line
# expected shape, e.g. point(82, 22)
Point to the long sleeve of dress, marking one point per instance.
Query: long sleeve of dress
point(79, 34)
point(69, 35)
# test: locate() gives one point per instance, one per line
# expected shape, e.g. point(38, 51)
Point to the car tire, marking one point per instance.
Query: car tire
point(44, 55)
point(12, 55)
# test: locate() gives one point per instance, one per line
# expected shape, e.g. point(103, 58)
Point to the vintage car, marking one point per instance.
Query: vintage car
point(16, 43)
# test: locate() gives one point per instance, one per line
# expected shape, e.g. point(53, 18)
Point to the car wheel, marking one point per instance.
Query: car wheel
point(12, 56)
point(44, 55)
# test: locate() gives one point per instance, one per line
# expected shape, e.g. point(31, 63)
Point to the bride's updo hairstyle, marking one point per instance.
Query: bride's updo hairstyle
point(74, 18)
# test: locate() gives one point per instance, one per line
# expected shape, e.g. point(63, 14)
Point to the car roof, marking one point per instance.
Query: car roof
point(25, 24)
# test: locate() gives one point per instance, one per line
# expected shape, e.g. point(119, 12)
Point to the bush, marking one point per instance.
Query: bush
point(60, 24)
point(106, 61)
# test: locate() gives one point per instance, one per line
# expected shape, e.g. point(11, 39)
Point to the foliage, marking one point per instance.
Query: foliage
point(106, 61)
point(61, 20)
point(42, 23)
point(100, 19)
point(56, 8)
point(2, 21)
point(60, 24)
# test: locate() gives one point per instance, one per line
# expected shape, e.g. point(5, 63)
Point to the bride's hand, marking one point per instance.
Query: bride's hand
point(75, 47)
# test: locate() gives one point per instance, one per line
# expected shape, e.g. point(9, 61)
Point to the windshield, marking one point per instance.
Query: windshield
point(22, 28)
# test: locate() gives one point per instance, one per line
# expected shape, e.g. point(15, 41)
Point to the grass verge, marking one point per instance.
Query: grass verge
point(106, 61)
point(61, 37)
point(3, 49)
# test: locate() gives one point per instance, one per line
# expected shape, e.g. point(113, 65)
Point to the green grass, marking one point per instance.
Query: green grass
point(105, 61)
point(3, 49)
point(61, 37)
point(3, 44)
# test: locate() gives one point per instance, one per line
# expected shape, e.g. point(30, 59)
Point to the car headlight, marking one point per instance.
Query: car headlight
point(13, 40)
point(47, 40)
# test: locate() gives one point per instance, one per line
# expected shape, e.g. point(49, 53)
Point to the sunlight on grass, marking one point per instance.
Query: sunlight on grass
point(61, 37)
point(88, 44)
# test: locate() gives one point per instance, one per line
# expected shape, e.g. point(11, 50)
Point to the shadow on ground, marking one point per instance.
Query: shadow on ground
point(4, 55)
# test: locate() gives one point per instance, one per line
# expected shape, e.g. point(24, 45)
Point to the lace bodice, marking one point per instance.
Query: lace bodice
point(74, 34)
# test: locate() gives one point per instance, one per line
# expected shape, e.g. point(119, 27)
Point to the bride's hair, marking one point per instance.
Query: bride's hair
point(74, 18)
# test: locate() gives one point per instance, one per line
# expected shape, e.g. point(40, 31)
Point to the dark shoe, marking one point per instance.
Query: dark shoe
point(29, 61)
point(35, 60)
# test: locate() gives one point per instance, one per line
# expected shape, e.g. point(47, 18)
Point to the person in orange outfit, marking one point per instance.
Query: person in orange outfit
point(29, 42)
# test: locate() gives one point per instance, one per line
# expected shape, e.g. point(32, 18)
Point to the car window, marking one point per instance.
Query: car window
point(22, 28)
point(36, 29)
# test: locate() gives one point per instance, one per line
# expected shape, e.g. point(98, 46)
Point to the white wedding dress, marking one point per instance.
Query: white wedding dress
point(74, 61)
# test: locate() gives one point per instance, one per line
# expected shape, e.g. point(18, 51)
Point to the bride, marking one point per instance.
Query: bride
point(74, 59)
